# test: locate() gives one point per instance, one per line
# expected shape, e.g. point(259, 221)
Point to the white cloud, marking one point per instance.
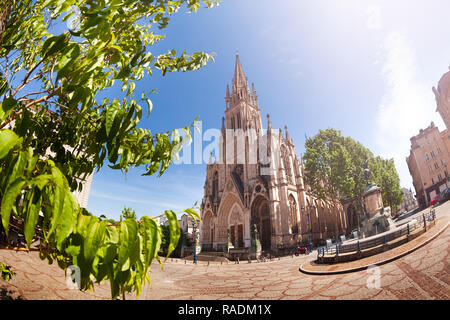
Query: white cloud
point(407, 105)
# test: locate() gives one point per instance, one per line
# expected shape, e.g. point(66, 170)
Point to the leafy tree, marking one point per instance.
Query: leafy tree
point(387, 178)
point(56, 58)
point(127, 213)
point(334, 169)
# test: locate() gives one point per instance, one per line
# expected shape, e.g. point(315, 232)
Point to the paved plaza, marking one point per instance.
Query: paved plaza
point(421, 274)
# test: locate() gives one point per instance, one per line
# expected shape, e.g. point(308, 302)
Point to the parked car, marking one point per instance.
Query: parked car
point(434, 201)
point(444, 196)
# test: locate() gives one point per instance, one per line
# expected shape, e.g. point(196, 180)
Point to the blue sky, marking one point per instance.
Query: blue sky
point(363, 67)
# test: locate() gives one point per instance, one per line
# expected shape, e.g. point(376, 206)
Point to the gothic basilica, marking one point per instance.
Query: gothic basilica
point(257, 182)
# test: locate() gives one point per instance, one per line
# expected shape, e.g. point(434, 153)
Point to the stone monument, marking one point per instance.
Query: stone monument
point(377, 219)
point(255, 249)
point(229, 244)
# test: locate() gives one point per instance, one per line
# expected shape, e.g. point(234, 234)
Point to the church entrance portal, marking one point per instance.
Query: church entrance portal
point(260, 215)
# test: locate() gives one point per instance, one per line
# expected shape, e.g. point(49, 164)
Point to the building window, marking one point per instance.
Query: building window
point(439, 177)
point(446, 173)
point(239, 120)
point(427, 158)
point(432, 181)
point(439, 150)
point(436, 165)
point(429, 169)
point(432, 154)
point(443, 162)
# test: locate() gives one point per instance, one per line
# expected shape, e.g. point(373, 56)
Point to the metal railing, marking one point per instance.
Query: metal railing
point(360, 245)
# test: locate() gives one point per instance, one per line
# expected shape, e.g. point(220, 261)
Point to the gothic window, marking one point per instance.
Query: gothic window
point(436, 165)
point(287, 164)
point(439, 177)
point(215, 186)
point(427, 157)
point(239, 120)
point(232, 123)
point(293, 214)
point(432, 154)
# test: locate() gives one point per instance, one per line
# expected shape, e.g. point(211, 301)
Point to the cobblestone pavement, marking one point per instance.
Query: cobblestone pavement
point(422, 274)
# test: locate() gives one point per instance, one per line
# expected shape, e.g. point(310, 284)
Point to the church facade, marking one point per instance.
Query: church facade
point(257, 182)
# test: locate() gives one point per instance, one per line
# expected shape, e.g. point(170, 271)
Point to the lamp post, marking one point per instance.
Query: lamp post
point(309, 222)
point(194, 231)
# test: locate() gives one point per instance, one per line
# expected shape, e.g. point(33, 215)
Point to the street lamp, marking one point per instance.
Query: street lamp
point(309, 227)
point(194, 231)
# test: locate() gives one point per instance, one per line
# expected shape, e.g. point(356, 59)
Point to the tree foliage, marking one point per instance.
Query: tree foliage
point(386, 177)
point(334, 169)
point(127, 213)
point(56, 57)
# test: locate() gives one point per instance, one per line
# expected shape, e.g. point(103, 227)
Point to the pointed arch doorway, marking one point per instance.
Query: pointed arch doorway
point(260, 215)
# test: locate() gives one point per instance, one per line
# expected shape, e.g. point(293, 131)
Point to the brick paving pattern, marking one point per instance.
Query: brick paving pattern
point(422, 274)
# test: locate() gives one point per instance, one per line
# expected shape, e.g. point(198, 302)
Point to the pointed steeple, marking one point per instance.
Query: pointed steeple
point(239, 78)
point(288, 137)
point(227, 97)
point(254, 95)
point(240, 88)
point(269, 123)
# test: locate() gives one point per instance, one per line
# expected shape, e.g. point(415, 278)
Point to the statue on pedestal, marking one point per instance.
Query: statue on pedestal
point(229, 244)
point(256, 244)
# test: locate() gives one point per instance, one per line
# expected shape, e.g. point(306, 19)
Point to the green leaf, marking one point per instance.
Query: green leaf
point(150, 106)
point(8, 140)
point(94, 238)
point(6, 107)
point(8, 201)
point(59, 198)
point(174, 227)
point(127, 237)
point(112, 122)
point(32, 216)
point(152, 240)
point(194, 214)
point(19, 167)
point(53, 45)
point(66, 221)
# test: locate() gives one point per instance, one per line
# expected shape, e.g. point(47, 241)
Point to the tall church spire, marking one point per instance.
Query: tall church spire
point(240, 88)
point(239, 76)
point(241, 111)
